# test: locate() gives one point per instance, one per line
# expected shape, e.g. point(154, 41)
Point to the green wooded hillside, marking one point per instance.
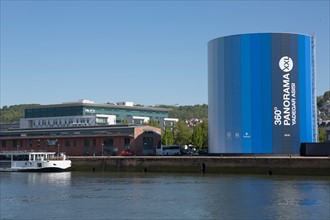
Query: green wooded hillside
point(13, 113)
point(187, 112)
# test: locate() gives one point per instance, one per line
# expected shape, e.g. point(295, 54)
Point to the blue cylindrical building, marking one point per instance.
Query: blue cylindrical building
point(261, 93)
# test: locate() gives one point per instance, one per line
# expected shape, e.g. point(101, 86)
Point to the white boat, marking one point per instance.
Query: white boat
point(33, 161)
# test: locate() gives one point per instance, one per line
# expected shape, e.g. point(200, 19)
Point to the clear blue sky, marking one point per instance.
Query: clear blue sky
point(141, 51)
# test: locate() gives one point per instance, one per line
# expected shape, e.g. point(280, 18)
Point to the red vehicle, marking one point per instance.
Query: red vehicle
point(126, 153)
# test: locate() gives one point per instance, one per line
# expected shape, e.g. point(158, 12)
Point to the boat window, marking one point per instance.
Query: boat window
point(5, 157)
point(21, 157)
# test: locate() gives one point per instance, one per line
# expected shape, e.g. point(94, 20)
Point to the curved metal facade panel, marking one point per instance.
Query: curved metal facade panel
point(260, 93)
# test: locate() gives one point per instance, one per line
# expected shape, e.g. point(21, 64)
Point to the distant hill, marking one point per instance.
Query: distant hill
point(187, 112)
point(12, 114)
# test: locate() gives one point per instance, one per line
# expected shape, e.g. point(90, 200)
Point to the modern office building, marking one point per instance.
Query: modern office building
point(68, 121)
point(170, 122)
point(87, 113)
point(261, 93)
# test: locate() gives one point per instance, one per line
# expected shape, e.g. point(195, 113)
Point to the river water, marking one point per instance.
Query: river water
point(87, 195)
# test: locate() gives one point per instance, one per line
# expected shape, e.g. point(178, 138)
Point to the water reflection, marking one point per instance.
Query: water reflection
point(62, 179)
point(162, 196)
point(303, 198)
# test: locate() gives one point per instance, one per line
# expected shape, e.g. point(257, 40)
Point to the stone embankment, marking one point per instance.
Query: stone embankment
point(270, 165)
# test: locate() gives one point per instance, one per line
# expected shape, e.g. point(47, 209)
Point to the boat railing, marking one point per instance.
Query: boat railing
point(23, 151)
point(15, 151)
point(56, 158)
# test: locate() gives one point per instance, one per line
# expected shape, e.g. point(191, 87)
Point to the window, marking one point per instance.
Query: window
point(30, 142)
point(86, 146)
point(67, 142)
point(86, 142)
point(101, 120)
point(127, 142)
point(75, 142)
point(108, 142)
point(14, 143)
point(4, 143)
point(5, 157)
point(148, 143)
point(20, 157)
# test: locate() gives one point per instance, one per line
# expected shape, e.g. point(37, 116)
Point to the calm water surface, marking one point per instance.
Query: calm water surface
point(82, 195)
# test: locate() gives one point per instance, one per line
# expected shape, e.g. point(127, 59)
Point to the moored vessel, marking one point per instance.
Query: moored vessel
point(25, 161)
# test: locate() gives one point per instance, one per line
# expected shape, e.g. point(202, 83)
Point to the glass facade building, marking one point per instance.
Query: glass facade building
point(84, 109)
point(261, 93)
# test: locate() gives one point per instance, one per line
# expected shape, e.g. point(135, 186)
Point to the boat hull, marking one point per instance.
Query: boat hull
point(40, 170)
point(46, 169)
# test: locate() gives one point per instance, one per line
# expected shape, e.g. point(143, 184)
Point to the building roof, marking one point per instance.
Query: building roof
point(72, 104)
point(59, 131)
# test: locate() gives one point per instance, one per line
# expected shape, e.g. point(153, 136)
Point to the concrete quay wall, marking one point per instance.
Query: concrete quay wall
point(272, 165)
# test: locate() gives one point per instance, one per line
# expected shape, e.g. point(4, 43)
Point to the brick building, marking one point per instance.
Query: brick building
point(84, 141)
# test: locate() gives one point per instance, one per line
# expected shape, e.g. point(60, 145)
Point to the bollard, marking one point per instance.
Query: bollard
point(203, 166)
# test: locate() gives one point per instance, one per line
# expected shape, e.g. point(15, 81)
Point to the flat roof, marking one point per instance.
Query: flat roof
point(101, 105)
point(66, 129)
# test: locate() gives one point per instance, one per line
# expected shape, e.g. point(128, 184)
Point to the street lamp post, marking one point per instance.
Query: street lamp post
point(58, 149)
point(102, 148)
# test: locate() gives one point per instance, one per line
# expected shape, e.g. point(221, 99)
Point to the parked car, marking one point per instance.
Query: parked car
point(202, 152)
point(126, 153)
point(189, 150)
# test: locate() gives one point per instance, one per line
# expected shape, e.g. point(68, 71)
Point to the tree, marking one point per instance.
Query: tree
point(182, 133)
point(12, 114)
point(197, 136)
point(153, 123)
point(322, 135)
point(326, 96)
point(167, 136)
point(320, 101)
point(205, 129)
